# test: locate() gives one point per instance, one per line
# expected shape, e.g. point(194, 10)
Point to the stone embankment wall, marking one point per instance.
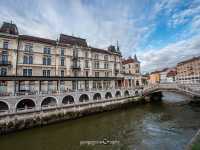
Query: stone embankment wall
point(15, 122)
point(195, 142)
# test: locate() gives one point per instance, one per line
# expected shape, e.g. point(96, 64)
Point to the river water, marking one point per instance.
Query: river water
point(158, 126)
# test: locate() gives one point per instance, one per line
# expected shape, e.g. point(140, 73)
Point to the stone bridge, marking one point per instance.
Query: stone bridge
point(192, 90)
point(37, 102)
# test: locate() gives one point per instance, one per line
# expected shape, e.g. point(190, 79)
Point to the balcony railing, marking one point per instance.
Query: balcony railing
point(75, 57)
point(76, 66)
point(5, 63)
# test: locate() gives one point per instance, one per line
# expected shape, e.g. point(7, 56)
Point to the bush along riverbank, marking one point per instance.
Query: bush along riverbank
point(11, 123)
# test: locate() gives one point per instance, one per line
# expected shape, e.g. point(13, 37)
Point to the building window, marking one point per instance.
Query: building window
point(86, 54)
point(105, 65)
point(25, 60)
point(46, 73)
point(5, 44)
point(106, 74)
point(3, 72)
point(96, 74)
point(27, 72)
point(47, 50)
point(96, 56)
point(28, 60)
point(106, 57)
point(75, 53)
point(62, 51)
point(62, 61)
point(28, 48)
point(4, 58)
point(86, 64)
point(46, 60)
point(62, 73)
point(75, 73)
point(86, 73)
point(96, 64)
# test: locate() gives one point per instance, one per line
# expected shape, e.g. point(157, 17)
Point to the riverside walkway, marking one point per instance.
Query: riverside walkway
point(48, 101)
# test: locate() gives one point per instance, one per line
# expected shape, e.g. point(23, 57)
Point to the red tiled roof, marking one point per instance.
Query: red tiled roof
point(189, 60)
point(66, 39)
point(128, 61)
point(171, 73)
point(37, 39)
point(154, 72)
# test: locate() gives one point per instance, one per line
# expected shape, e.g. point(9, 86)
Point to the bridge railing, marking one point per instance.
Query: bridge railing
point(195, 90)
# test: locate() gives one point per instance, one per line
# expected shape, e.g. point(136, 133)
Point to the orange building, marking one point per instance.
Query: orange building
point(154, 77)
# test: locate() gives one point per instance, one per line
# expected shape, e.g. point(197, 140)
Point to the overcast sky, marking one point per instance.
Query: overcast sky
point(161, 32)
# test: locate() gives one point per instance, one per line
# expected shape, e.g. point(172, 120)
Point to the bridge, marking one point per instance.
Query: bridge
point(192, 90)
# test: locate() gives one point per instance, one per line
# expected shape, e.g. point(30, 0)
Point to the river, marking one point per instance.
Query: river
point(158, 126)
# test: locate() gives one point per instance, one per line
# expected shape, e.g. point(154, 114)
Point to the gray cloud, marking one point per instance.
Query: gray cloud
point(170, 55)
point(129, 22)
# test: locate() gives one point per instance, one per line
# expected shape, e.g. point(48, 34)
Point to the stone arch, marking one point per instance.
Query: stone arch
point(49, 101)
point(126, 93)
point(97, 96)
point(3, 106)
point(108, 95)
point(84, 98)
point(136, 92)
point(118, 94)
point(25, 104)
point(68, 100)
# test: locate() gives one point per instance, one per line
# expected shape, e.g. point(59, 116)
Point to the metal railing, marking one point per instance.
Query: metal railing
point(181, 87)
point(57, 92)
point(5, 62)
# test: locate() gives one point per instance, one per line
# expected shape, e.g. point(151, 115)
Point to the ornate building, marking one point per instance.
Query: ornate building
point(30, 64)
point(131, 70)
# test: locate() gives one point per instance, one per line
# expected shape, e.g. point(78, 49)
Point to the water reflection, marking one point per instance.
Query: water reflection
point(150, 126)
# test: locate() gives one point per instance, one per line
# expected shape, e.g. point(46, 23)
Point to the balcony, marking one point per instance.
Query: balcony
point(75, 57)
point(76, 66)
point(116, 70)
point(5, 63)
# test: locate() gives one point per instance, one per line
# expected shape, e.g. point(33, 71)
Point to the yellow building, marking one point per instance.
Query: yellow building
point(154, 77)
point(68, 59)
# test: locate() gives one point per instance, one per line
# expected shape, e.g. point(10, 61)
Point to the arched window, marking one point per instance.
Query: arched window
point(108, 95)
point(68, 100)
point(118, 94)
point(97, 96)
point(25, 104)
point(3, 106)
point(84, 98)
point(126, 93)
point(49, 101)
